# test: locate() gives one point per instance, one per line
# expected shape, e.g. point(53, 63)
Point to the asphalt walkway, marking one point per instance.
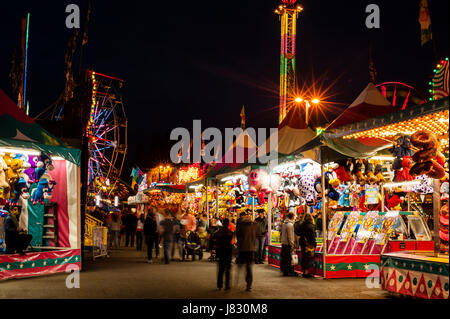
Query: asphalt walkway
point(126, 274)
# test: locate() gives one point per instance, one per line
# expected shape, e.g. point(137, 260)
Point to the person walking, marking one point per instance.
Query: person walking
point(150, 232)
point(159, 218)
point(140, 232)
point(176, 240)
point(307, 243)
point(287, 246)
point(130, 229)
point(246, 239)
point(114, 228)
point(167, 234)
point(261, 231)
point(224, 249)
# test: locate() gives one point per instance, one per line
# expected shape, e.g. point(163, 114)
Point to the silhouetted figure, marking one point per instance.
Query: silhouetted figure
point(224, 249)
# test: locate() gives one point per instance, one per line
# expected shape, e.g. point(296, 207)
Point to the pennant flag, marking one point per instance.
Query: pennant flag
point(425, 22)
point(243, 117)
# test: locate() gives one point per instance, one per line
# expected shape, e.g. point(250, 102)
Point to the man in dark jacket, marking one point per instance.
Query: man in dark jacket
point(224, 249)
point(16, 241)
point(307, 239)
point(261, 231)
point(246, 239)
point(130, 228)
point(150, 228)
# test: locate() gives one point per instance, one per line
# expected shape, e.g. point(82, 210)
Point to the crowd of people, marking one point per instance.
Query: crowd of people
point(241, 238)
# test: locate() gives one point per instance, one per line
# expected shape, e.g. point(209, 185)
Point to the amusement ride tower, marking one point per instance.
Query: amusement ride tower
point(288, 12)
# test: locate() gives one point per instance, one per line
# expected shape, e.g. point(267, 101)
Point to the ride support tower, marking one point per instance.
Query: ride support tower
point(288, 12)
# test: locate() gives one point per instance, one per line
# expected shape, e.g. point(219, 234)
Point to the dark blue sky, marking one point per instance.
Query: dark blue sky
point(185, 60)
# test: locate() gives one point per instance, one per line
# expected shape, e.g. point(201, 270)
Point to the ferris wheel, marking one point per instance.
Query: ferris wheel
point(107, 134)
point(401, 95)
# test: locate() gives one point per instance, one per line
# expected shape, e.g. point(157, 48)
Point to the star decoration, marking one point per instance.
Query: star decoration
point(440, 269)
point(349, 267)
point(8, 266)
point(421, 266)
point(76, 258)
point(45, 263)
point(333, 267)
point(21, 265)
point(56, 262)
point(366, 266)
point(32, 265)
point(66, 260)
point(404, 264)
point(396, 263)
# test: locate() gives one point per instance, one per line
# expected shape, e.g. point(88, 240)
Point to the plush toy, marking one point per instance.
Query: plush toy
point(305, 185)
point(402, 146)
point(3, 213)
point(342, 170)
point(358, 172)
point(394, 203)
point(43, 190)
point(31, 171)
point(4, 185)
point(428, 160)
point(45, 163)
point(21, 189)
point(403, 174)
point(379, 172)
point(355, 191)
point(344, 199)
point(260, 181)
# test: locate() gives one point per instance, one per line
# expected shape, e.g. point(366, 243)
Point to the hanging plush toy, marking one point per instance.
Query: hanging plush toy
point(31, 171)
point(45, 163)
point(21, 189)
point(403, 174)
point(4, 185)
point(428, 160)
point(358, 172)
point(344, 199)
point(402, 146)
point(43, 190)
point(342, 170)
point(305, 185)
point(394, 202)
point(379, 172)
point(355, 190)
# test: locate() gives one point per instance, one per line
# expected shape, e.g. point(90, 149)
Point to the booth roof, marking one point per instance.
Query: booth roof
point(368, 104)
point(18, 130)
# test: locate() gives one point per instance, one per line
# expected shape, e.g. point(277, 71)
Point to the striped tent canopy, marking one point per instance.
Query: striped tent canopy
point(18, 130)
point(370, 103)
point(293, 133)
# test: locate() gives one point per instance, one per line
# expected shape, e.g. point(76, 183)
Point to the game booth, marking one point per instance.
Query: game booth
point(386, 186)
point(39, 194)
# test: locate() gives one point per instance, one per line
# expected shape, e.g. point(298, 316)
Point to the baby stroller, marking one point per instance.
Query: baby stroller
point(192, 246)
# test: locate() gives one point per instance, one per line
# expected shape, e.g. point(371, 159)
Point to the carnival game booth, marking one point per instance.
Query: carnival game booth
point(420, 138)
point(40, 179)
point(356, 235)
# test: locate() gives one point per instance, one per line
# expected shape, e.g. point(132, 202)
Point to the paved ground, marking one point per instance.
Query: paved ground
point(127, 275)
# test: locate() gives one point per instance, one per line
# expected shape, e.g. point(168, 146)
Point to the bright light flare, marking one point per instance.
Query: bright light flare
point(298, 99)
point(315, 101)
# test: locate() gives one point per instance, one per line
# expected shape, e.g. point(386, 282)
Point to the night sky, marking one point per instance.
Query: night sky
point(185, 60)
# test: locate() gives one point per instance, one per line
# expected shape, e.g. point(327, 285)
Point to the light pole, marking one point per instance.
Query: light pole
point(299, 100)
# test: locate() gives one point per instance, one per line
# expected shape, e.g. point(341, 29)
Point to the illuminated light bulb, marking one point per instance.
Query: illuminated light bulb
point(298, 99)
point(315, 101)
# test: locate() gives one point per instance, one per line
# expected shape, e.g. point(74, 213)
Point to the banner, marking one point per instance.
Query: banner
point(349, 226)
point(391, 219)
point(335, 224)
point(367, 227)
